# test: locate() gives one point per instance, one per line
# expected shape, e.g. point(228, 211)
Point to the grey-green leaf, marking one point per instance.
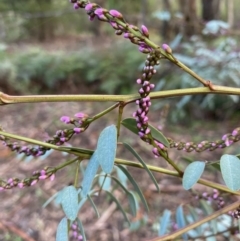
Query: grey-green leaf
point(131, 124)
point(70, 202)
point(136, 187)
point(119, 206)
point(62, 230)
point(106, 148)
point(143, 164)
point(181, 220)
point(192, 174)
point(164, 222)
point(230, 168)
point(89, 174)
point(133, 203)
point(80, 225)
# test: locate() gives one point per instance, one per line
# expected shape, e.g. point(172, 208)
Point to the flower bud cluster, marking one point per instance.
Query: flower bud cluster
point(215, 196)
point(236, 213)
point(121, 27)
point(75, 232)
point(227, 140)
point(61, 136)
point(144, 103)
point(37, 175)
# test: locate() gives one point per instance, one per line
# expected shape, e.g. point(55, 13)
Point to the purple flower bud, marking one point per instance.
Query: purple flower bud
point(115, 13)
point(141, 91)
point(235, 132)
point(89, 7)
point(81, 115)
point(143, 50)
point(114, 25)
point(1, 188)
point(152, 86)
point(42, 177)
point(42, 172)
point(52, 177)
point(137, 102)
point(65, 119)
point(80, 237)
point(76, 6)
point(145, 31)
point(147, 131)
point(99, 11)
point(77, 130)
point(33, 182)
point(167, 48)
point(141, 134)
point(91, 18)
point(139, 81)
point(126, 35)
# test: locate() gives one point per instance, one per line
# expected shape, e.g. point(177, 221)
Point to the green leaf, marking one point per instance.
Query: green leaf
point(230, 168)
point(119, 206)
point(120, 184)
point(93, 205)
point(121, 176)
point(81, 229)
point(89, 174)
point(136, 187)
point(181, 220)
point(164, 222)
point(131, 124)
point(192, 174)
point(106, 148)
point(143, 164)
point(50, 200)
point(133, 203)
point(70, 202)
point(104, 181)
point(62, 230)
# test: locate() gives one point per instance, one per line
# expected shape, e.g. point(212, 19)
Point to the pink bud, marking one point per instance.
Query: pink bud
point(145, 31)
point(115, 13)
point(167, 48)
point(43, 177)
point(33, 182)
point(76, 6)
point(77, 130)
point(99, 11)
point(52, 177)
point(65, 119)
point(89, 7)
point(81, 115)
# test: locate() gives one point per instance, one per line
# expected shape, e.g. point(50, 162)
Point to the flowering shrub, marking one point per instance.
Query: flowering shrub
point(73, 197)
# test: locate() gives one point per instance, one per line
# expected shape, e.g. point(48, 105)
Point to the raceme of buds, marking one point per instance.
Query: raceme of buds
point(37, 175)
point(227, 140)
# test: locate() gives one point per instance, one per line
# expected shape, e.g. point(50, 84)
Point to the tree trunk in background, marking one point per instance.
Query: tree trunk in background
point(210, 10)
point(230, 13)
point(190, 19)
point(45, 25)
point(166, 29)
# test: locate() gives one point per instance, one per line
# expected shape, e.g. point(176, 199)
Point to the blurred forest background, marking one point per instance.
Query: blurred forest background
point(47, 47)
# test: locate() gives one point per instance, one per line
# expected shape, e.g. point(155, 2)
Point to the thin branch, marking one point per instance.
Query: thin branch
point(218, 89)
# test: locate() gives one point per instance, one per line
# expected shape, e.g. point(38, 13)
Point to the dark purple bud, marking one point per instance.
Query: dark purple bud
point(143, 50)
point(115, 13)
point(76, 6)
point(145, 31)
